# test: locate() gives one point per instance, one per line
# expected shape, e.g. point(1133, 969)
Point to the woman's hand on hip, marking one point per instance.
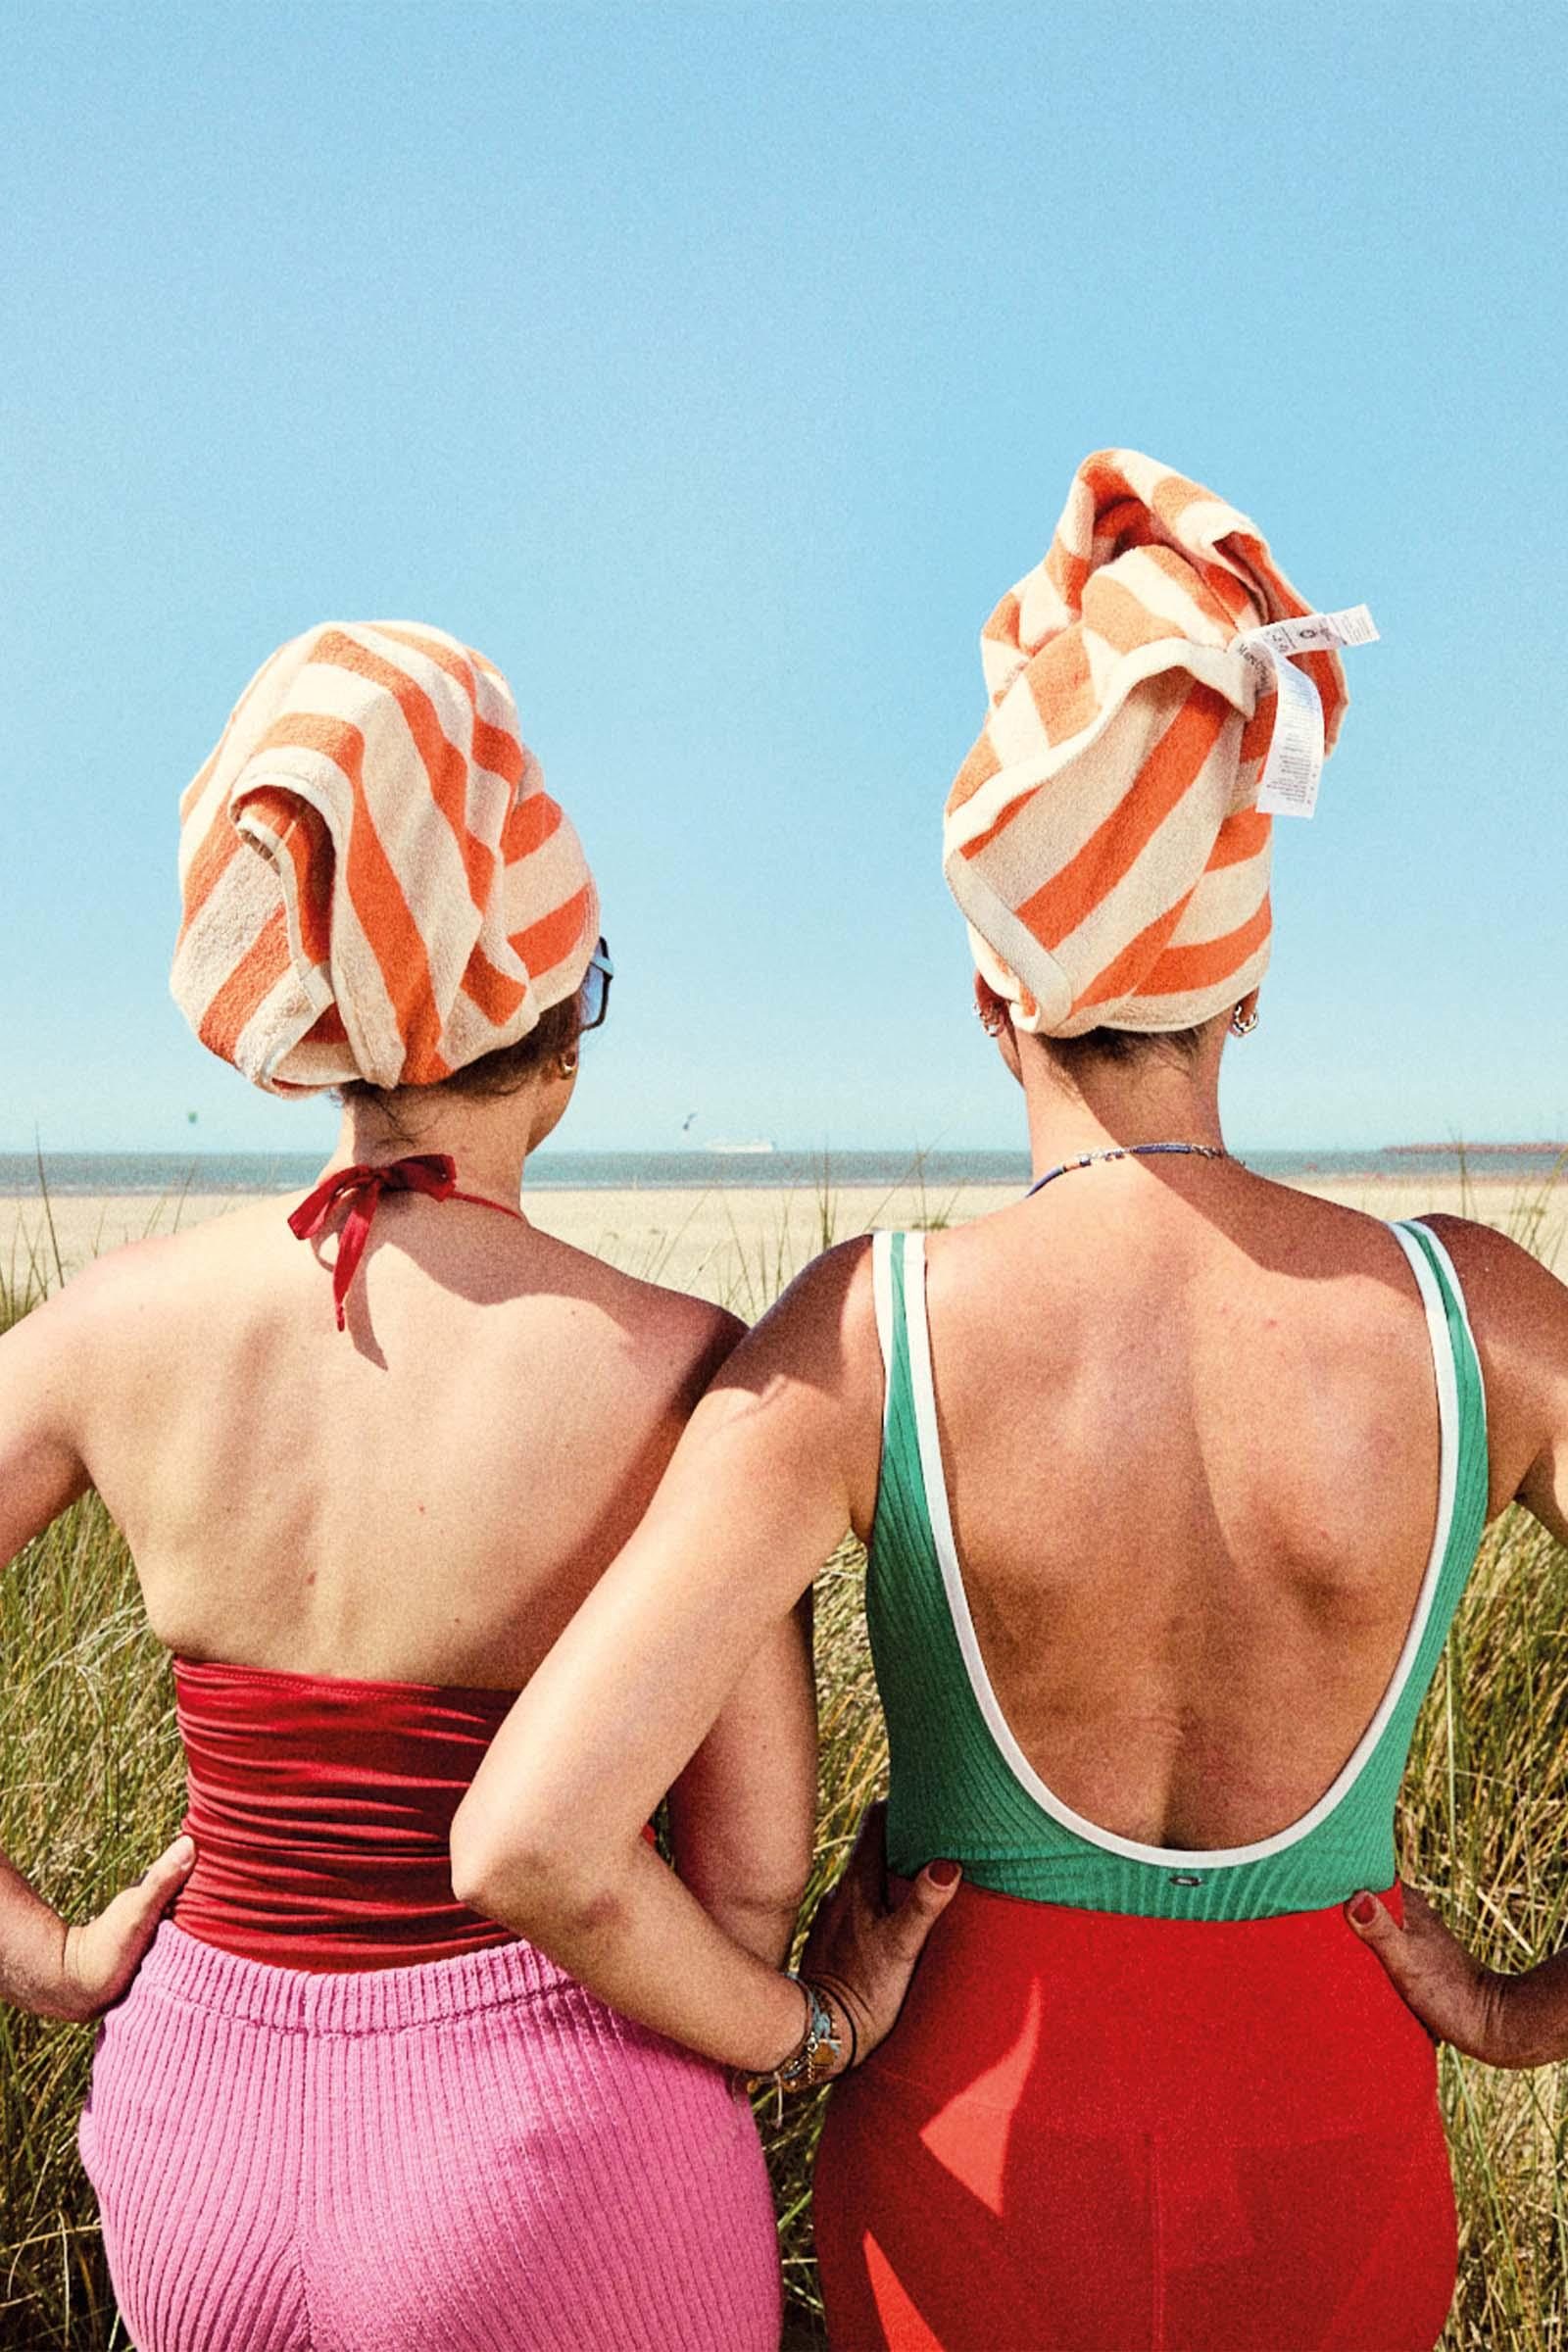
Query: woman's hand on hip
point(1504, 2021)
point(98, 1960)
point(862, 1947)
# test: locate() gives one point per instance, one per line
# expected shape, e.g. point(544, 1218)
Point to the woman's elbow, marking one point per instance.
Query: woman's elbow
point(524, 1873)
point(501, 1869)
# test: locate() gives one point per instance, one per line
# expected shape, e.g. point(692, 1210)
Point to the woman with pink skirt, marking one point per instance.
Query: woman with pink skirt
point(369, 1457)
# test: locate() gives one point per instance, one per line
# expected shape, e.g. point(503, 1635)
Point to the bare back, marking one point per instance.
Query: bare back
point(1190, 1441)
point(425, 1497)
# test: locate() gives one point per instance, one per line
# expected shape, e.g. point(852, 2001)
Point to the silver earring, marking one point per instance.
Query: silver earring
point(1244, 1024)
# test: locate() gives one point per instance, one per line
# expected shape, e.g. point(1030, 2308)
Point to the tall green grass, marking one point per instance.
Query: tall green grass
point(90, 1787)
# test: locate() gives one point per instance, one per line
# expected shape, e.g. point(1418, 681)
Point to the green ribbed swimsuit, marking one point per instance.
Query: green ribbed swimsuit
point(961, 1786)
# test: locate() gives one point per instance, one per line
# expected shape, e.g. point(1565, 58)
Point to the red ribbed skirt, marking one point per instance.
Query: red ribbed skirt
point(1095, 2134)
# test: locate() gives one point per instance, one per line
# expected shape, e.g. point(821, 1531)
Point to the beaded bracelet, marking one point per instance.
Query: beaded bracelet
point(819, 2048)
point(833, 1993)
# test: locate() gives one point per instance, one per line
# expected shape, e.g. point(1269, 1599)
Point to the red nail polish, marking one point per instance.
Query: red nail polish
point(1363, 1910)
point(942, 1874)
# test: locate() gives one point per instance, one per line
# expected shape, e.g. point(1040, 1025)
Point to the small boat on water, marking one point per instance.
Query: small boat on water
point(761, 1144)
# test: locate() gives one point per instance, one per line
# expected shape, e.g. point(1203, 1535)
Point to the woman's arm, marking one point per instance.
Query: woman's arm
point(1519, 1313)
point(742, 1814)
point(779, 1460)
point(45, 1965)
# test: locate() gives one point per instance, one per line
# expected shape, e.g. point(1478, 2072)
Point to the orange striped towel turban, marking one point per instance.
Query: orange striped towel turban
point(1102, 838)
point(376, 883)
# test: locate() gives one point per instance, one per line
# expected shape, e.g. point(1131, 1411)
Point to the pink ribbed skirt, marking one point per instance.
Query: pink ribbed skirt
point(469, 2156)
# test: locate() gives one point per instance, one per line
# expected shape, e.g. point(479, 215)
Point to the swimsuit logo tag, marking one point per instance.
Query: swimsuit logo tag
point(1294, 763)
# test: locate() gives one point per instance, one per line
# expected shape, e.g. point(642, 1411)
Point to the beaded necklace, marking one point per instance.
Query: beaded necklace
point(1087, 1159)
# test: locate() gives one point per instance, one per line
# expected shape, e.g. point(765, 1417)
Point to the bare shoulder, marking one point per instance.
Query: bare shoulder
point(688, 1338)
point(698, 1335)
point(122, 1288)
point(69, 1348)
point(821, 1330)
point(99, 1295)
point(1518, 1312)
point(1507, 1290)
point(804, 1388)
point(126, 1295)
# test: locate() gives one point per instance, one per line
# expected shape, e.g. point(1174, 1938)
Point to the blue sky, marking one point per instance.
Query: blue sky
point(714, 369)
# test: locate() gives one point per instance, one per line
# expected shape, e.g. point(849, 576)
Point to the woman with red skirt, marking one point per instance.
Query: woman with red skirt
point(1170, 1479)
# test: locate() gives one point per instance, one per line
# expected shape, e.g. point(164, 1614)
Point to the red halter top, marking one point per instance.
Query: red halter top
point(322, 1805)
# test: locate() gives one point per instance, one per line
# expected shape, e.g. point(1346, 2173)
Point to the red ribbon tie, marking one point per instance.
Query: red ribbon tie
point(359, 1191)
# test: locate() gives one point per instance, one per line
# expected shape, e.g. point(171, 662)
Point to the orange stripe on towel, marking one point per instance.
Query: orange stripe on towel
point(1069, 898)
point(1126, 970)
point(217, 846)
point(548, 943)
point(249, 983)
point(445, 765)
point(374, 889)
point(1241, 836)
point(1180, 971)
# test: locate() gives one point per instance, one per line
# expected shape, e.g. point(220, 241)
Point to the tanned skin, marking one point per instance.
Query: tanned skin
point(1175, 1400)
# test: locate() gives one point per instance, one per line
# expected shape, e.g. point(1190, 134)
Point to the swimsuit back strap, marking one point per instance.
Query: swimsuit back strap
point(890, 1264)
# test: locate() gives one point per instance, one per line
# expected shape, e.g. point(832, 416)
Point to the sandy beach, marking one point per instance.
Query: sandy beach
point(736, 1245)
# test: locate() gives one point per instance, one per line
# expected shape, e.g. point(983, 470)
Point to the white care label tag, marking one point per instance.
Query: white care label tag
point(1294, 763)
point(1316, 633)
point(1289, 783)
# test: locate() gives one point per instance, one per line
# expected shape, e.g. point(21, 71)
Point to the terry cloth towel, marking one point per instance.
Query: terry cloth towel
point(376, 883)
point(1101, 838)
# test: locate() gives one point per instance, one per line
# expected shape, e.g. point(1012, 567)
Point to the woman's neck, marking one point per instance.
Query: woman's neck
point(487, 1139)
point(1102, 1104)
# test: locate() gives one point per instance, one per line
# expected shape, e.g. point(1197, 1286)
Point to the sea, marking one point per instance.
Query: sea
point(747, 1167)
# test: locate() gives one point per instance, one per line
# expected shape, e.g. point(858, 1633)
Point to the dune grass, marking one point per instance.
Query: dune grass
point(90, 1787)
